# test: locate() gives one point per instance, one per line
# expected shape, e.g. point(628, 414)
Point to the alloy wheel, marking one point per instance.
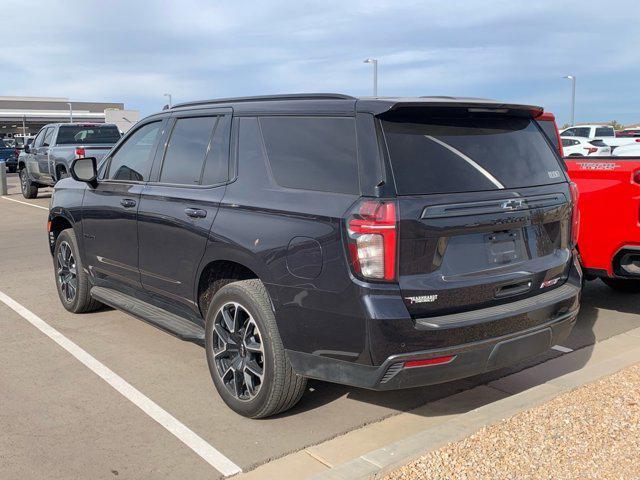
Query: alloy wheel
point(23, 180)
point(238, 351)
point(67, 272)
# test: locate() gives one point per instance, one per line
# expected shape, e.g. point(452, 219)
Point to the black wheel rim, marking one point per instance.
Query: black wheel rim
point(238, 351)
point(66, 272)
point(23, 180)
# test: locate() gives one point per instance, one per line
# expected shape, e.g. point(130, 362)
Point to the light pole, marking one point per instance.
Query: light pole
point(375, 74)
point(169, 96)
point(70, 112)
point(573, 97)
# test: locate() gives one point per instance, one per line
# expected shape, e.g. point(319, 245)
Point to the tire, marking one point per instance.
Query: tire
point(29, 190)
point(72, 282)
point(623, 284)
point(279, 389)
point(11, 169)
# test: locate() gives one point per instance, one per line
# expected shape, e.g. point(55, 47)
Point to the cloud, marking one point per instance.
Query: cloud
point(136, 51)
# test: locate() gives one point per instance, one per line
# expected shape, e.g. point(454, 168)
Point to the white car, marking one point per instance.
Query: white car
point(583, 147)
point(606, 133)
point(628, 151)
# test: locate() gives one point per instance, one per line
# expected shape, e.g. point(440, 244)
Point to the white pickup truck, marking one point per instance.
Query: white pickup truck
point(606, 133)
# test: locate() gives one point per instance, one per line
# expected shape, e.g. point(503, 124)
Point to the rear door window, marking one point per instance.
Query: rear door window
point(581, 132)
point(312, 153)
point(446, 155)
point(188, 147)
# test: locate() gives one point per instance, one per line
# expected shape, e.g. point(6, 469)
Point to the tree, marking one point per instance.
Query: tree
point(566, 125)
point(616, 125)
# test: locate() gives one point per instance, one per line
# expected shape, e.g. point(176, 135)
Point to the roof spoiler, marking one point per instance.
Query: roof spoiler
point(510, 109)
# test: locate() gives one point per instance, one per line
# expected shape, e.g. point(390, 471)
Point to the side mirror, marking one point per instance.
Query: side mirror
point(85, 170)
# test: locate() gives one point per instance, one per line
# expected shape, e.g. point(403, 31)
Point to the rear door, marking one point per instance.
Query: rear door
point(178, 208)
point(484, 210)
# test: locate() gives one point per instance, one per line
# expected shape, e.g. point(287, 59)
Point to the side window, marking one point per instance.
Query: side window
point(582, 132)
point(39, 138)
point(566, 142)
point(188, 147)
point(216, 168)
point(133, 159)
point(48, 137)
point(604, 132)
point(312, 153)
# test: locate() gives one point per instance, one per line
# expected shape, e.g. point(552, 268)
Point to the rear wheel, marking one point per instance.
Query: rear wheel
point(72, 281)
point(29, 190)
point(245, 354)
point(623, 284)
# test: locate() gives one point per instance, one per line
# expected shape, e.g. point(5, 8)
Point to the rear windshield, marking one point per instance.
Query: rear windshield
point(445, 155)
point(88, 134)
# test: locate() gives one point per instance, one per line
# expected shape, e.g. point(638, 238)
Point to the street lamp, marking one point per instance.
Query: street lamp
point(70, 112)
point(169, 96)
point(573, 97)
point(375, 74)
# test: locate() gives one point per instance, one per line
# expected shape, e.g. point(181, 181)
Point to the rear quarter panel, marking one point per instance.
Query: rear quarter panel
point(609, 207)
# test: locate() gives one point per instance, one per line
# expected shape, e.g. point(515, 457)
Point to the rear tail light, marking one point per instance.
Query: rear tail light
point(80, 152)
point(575, 213)
point(372, 236)
point(590, 150)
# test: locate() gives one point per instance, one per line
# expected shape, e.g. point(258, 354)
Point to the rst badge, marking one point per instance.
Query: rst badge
point(422, 299)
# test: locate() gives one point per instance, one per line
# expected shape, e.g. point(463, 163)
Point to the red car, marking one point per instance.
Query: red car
point(609, 205)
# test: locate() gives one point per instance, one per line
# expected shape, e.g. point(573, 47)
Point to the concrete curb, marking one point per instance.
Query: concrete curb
point(606, 361)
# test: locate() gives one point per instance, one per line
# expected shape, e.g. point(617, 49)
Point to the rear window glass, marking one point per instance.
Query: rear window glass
point(605, 132)
point(88, 134)
point(444, 155)
point(312, 153)
point(549, 129)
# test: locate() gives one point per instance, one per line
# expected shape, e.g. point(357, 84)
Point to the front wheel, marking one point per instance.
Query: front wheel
point(72, 281)
point(623, 284)
point(245, 354)
point(29, 190)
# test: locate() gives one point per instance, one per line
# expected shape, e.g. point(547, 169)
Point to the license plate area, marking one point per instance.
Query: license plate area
point(504, 247)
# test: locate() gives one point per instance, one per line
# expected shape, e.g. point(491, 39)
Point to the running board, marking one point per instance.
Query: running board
point(179, 326)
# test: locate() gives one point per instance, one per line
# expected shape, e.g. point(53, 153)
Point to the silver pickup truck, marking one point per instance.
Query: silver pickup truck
point(49, 157)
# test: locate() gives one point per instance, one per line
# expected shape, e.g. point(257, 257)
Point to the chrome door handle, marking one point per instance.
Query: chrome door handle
point(128, 203)
point(195, 212)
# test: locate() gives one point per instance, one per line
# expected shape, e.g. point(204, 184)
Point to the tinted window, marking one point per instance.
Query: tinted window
point(312, 153)
point(441, 155)
point(47, 137)
point(566, 142)
point(604, 132)
point(3, 144)
point(188, 146)
point(549, 129)
point(216, 168)
point(581, 132)
point(569, 133)
point(38, 140)
point(133, 159)
point(87, 134)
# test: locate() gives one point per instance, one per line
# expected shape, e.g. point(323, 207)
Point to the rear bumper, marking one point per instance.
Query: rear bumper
point(470, 359)
point(487, 339)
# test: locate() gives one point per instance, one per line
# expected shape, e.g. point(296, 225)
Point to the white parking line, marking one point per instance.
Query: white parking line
point(24, 203)
point(562, 349)
point(192, 440)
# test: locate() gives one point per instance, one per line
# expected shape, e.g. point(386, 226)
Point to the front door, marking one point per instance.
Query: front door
point(178, 207)
point(42, 156)
point(110, 211)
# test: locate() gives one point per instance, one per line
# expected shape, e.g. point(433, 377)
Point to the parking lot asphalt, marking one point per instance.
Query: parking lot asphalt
point(59, 419)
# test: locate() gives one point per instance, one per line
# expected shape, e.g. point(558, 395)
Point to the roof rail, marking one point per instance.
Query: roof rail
point(266, 98)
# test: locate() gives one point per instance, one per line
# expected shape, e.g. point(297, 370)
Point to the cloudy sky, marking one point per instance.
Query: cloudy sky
point(134, 51)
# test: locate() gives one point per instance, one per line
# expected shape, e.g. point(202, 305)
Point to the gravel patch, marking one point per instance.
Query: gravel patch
point(591, 432)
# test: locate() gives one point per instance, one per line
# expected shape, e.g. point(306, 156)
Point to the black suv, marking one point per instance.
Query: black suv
point(377, 242)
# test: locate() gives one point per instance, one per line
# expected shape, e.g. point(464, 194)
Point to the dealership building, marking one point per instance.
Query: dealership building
point(27, 115)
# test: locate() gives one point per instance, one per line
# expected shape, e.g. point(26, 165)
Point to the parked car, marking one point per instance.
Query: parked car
point(632, 150)
point(609, 238)
point(582, 147)
point(382, 243)
point(48, 159)
point(628, 132)
point(7, 154)
point(606, 133)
